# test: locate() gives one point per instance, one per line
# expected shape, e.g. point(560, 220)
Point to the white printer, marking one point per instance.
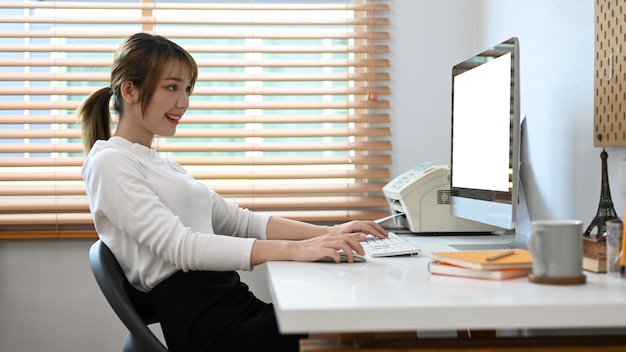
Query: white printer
point(419, 201)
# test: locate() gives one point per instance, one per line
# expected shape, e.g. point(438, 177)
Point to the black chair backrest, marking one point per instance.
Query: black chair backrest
point(131, 305)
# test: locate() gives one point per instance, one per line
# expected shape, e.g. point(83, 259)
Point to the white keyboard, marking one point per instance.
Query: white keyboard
point(390, 246)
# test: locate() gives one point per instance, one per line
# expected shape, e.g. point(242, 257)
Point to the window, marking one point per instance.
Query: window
point(288, 116)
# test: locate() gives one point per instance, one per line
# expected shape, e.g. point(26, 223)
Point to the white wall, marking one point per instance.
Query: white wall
point(557, 57)
point(427, 39)
point(562, 176)
point(50, 302)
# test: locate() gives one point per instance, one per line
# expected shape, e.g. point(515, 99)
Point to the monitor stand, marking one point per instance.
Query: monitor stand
point(522, 230)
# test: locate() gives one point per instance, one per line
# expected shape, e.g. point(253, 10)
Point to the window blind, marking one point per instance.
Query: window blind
point(288, 116)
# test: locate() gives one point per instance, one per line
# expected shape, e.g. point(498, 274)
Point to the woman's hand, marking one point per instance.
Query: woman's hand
point(367, 227)
point(309, 250)
point(329, 245)
point(344, 237)
point(299, 241)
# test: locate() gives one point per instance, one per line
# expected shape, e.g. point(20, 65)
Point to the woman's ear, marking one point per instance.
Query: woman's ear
point(130, 94)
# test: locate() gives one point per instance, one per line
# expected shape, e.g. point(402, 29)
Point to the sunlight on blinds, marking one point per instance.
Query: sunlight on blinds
point(279, 122)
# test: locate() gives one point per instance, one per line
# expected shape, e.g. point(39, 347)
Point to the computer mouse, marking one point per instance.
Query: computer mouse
point(357, 258)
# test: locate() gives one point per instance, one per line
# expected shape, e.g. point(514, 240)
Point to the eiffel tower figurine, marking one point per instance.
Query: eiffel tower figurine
point(606, 211)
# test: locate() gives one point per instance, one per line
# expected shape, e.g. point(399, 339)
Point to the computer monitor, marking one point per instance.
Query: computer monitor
point(485, 138)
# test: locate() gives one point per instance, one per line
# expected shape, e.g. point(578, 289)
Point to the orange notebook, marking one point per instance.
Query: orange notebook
point(487, 259)
point(439, 268)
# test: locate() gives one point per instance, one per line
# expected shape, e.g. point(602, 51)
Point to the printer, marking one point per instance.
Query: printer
point(419, 201)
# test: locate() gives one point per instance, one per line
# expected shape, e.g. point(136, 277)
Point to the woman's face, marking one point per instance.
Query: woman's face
point(170, 100)
point(166, 108)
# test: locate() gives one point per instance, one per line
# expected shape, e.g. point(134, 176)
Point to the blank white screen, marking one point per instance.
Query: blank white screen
point(481, 140)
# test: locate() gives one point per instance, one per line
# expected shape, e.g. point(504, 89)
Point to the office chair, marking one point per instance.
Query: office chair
point(130, 305)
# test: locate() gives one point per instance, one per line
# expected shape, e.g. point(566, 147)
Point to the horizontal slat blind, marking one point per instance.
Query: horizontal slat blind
point(288, 116)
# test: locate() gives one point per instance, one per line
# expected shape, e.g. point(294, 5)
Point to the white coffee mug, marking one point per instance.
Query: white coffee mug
point(557, 248)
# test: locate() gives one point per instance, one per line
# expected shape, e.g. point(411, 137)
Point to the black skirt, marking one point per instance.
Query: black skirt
point(214, 311)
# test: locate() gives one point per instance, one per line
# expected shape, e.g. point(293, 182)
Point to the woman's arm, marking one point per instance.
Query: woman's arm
point(287, 229)
point(299, 241)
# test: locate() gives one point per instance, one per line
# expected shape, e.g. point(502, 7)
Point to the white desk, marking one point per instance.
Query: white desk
point(398, 294)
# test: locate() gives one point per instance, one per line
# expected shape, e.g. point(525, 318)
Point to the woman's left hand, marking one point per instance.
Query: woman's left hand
point(366, 227)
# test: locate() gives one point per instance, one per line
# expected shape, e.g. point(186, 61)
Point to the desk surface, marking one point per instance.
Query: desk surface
point(398, 294)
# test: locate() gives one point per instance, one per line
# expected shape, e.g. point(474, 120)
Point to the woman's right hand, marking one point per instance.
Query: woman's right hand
point(308, 250)
point(329, 245)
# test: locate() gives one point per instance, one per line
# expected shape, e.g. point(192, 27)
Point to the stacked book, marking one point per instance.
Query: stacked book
point(594, 254)
point(482, 264)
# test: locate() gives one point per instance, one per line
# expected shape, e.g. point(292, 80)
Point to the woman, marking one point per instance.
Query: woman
point(173, 237)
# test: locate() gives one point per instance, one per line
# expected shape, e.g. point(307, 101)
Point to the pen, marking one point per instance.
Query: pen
point(499, 255)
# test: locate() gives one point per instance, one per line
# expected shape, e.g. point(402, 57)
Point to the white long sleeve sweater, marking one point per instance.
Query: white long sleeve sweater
point(157, 219)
